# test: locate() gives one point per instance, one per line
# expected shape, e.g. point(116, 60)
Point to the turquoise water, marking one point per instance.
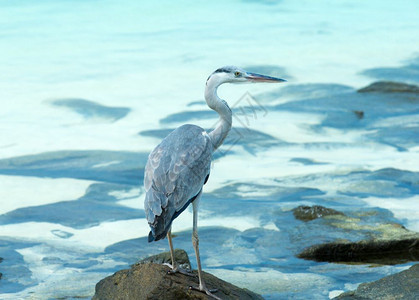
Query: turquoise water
point(88, 89)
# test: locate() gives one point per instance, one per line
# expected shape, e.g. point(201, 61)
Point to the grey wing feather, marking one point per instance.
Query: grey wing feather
point(175, 172)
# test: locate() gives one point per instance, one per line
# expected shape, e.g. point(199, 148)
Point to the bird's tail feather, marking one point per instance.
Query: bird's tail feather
point(150, 237)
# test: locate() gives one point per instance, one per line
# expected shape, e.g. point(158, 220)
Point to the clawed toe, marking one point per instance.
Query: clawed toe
point(182, 271)
point(206, 291)
point(178, 270)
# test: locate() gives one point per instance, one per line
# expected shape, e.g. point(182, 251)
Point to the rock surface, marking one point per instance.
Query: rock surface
point(148, 280)
point(308, 213)
point(366, 239)
point(389, 252)
point(390, 87)
point(181, 258)
point(403, 285)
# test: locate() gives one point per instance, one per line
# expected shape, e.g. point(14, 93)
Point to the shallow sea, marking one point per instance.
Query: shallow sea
point(89, 88)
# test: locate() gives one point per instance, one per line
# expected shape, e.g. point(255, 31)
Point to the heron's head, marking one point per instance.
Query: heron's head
point(232, 74)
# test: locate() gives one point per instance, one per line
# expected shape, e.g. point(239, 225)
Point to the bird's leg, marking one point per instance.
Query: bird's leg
point(195, 241)
point(172, 254)
point(175, 268)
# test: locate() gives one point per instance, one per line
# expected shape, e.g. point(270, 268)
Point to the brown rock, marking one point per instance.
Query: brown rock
point(181, 258)
point(359, 114)
point(387, 252)
point(308, 213)
point(152, 281)
point(386, 243)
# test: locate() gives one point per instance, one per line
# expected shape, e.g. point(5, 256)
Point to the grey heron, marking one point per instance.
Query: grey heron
point(179, 166)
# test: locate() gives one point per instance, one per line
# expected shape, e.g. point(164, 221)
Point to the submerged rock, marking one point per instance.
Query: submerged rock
point(147, 280)
point(385, 243)
point(389, 252)
point(403, 285)
point(359, 114)
point(308, 213)
point(390, 87)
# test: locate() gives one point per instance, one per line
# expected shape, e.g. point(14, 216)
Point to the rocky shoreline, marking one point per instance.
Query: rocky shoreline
point(389, 244)
point(369, 238)
point(149, 279)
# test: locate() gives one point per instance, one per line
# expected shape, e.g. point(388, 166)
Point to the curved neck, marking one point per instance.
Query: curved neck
point(223, 126)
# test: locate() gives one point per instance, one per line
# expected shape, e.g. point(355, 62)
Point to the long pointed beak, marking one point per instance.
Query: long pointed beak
point(262, 78)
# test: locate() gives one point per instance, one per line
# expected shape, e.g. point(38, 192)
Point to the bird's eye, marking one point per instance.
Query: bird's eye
point(237, 73)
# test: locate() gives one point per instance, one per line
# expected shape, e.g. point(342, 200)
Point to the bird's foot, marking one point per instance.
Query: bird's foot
point(178, 269)
point(204, 289)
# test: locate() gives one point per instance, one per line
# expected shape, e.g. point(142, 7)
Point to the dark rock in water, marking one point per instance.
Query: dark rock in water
point(390, 87)
point(359, 114)
point(308, 213)
point(1, 259)
point(152, 281)
point(367, 238)
point(403, 285)
point(389, 252)
point(181, 258)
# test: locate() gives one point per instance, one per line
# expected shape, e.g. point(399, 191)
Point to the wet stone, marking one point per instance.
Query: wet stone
point(390, 87)
point(369, 237)
point(388, 252)
point(181, 258)
point(308, 213)
point(151, 281)
point(359, 114)
point(403, 285)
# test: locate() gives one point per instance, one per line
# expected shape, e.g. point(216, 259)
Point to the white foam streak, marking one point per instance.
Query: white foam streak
point(19, 191)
